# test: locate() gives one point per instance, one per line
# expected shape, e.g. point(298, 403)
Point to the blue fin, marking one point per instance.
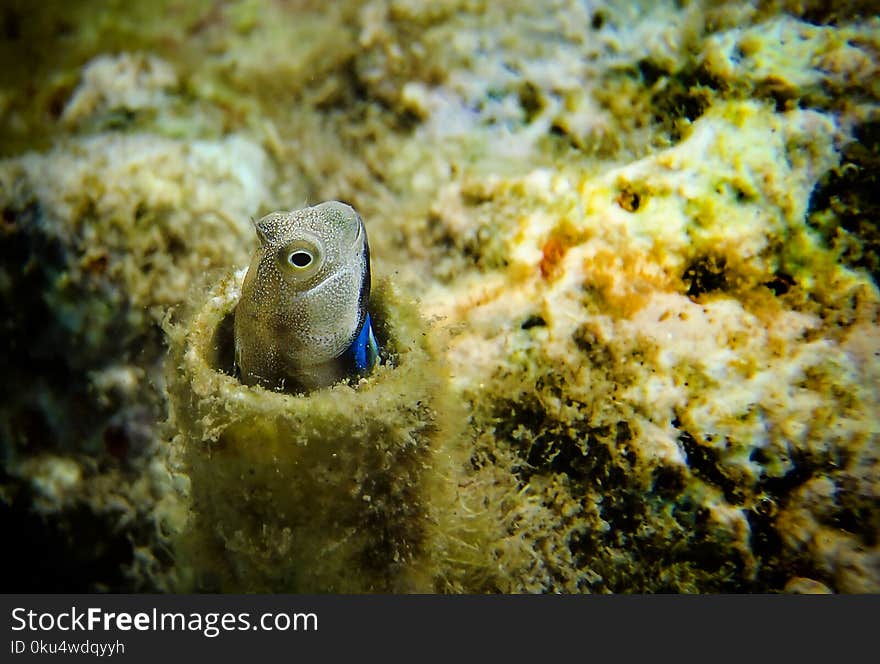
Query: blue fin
point(365, 350)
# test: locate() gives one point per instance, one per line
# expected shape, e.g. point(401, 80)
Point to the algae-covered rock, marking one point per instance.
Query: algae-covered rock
point(101, 235)
point(645, 351)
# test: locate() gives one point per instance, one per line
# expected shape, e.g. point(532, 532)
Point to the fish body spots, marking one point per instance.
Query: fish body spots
point(303, 303)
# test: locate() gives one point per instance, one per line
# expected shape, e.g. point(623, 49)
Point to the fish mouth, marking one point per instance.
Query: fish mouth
point(361, 232)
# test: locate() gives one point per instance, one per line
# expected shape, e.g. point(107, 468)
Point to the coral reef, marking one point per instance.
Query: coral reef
point(629, 256)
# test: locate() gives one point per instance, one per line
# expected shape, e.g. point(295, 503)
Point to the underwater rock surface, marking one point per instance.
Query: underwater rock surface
point(629, 254)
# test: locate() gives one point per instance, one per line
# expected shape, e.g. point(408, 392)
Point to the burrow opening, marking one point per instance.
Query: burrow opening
point(223, 344)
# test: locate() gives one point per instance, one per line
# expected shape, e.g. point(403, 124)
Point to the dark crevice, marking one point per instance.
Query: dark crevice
point(73, 551)
point(705, 462)
point(845, 206)
point(706, 274)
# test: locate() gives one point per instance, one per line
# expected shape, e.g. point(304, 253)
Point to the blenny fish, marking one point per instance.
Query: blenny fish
point(302, 321)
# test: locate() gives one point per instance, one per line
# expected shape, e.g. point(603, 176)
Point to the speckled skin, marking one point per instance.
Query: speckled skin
point(294, 323)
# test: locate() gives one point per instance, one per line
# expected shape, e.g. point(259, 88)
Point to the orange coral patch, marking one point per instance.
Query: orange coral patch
point(552, 253)
point(621, 283)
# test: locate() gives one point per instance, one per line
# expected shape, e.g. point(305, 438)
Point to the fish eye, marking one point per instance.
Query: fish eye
point(300, 258)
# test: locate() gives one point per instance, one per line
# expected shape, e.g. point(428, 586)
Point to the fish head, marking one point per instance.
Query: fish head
point(310, 245)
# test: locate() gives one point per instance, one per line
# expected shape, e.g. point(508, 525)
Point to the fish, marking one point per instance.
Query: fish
point(301, 322)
